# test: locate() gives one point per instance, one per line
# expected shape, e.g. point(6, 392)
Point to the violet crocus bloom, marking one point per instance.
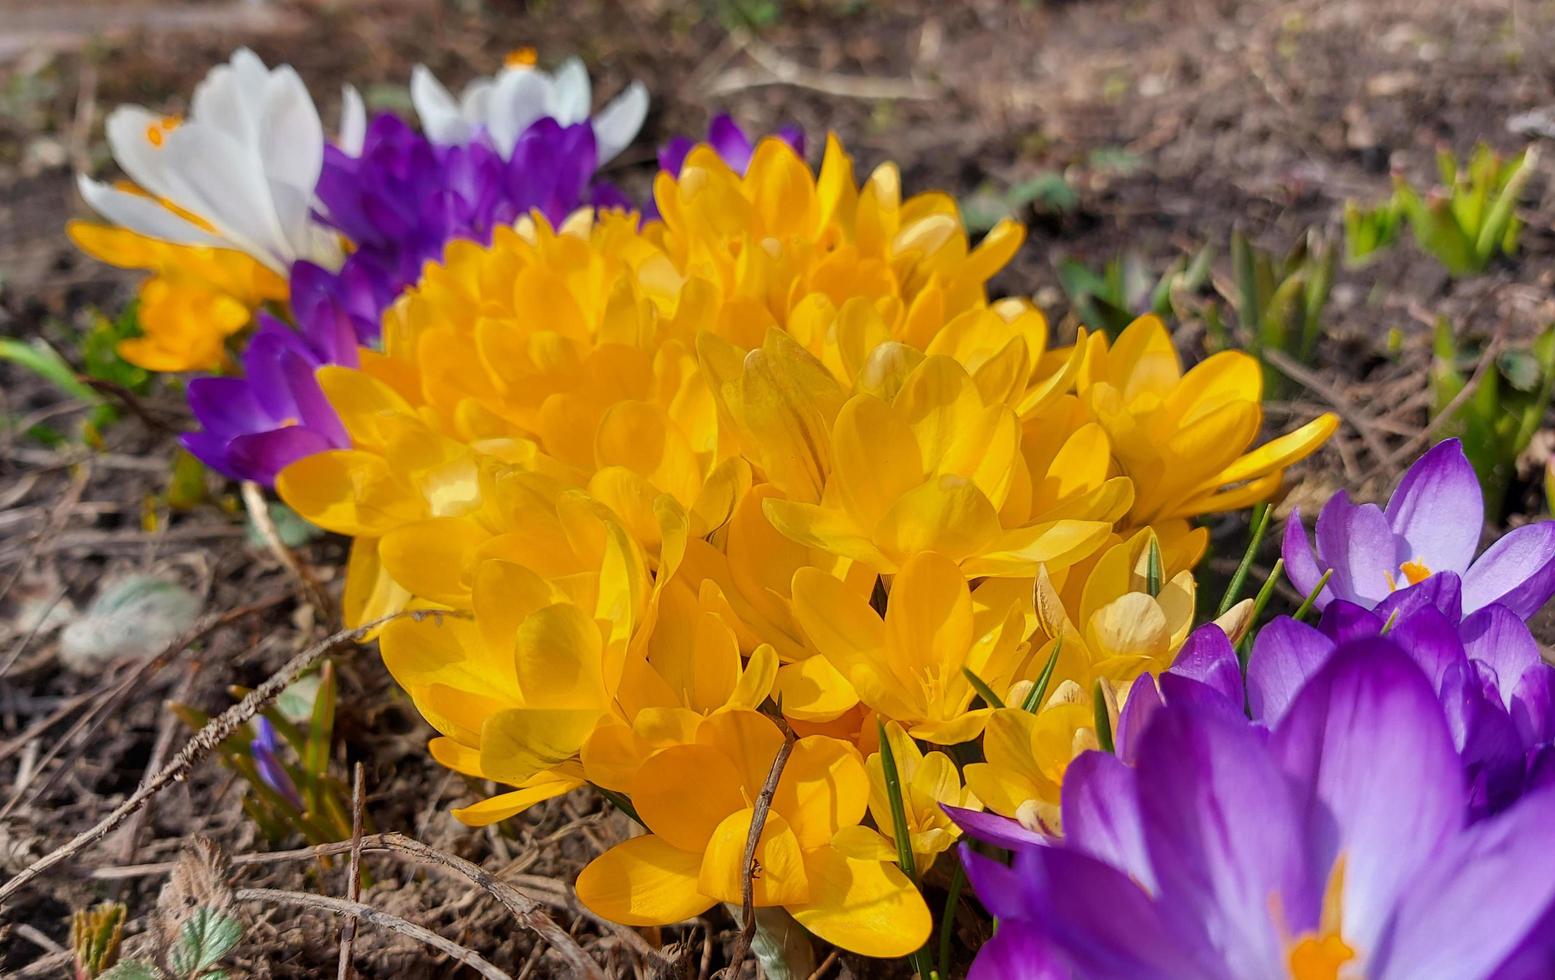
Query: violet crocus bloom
point(729, 141)
point(400, 200)
point(1335, 844)
point(254, 425)
point(263, 749)
point(1432, 524)
point(1497, 694)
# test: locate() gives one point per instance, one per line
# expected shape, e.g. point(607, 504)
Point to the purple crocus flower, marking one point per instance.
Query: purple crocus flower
point(729, 141)
point(263, 749)
point(253, 426)
point(1336, 843)
point(400, 200)
point(1432, 524)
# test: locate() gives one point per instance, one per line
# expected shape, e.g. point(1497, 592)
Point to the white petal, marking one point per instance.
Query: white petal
point(353, 121)
point(571, 95)
point(516, 102)
point(619, 122)
point(439, 113)
point(291, 151)
point(142, 215)
point(227, 187)
point(136, 155)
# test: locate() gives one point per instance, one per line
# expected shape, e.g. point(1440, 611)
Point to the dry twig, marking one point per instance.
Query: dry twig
point(752, 839)
point(202, 744)
point(354, 879)
point(377, 917)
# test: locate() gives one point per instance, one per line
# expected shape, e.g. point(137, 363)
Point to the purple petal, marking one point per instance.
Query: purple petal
point(1108, 926)
point(1219, 821)
point(998, 887)
point(1439, 509)
point(1344, 620)
point(1383, 784)
point(729, 140)
point(1285, 654)
point(990, 828)
point(226, 406)
point(1518, 571)
point(1485, 736)
point(1497, 637)
point(262, 455)
point(1357, 543)
point(1472, 906)
point(1300, 564)
point(1101, 815)
point(1431, 641)
point(1533, 705)
point(1018, 951)
point(1208, 657)
point(1139, 707)
point(1444, 591)
point(672, 155)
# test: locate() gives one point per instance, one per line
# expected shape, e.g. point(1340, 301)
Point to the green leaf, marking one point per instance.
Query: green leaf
point(1103, 720)
point(133, 970)
point(1234, 587)
point(1038, 692)
point(47, 364)
point(315, 757)
point(983, 690)
point(209, 935)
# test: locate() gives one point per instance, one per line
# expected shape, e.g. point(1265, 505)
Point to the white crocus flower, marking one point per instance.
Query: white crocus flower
point(504, 106)
point(245, 162)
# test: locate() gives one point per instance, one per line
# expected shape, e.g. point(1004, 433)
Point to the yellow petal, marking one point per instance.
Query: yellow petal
point(559, 659)
point(684, 792)
point(822, 789)
point(505, 805)
point(867, 907)
point(517, 744)
point(950, 516)
point(643, 882)
point(434, 558)
point(780, 876)
point(348, 492)
point(813, 690)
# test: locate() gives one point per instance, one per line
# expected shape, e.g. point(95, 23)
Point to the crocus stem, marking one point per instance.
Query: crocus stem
point(1234, 588)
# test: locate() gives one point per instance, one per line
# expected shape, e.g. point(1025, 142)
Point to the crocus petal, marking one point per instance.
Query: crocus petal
point(143, 215)
point(992, 828)
point(867, 907)
point(618, 123)
point(1017, 952)
point(1439, 509)
point(1367, 745)
point(1101, 815)
point(353, 121)
point(1497, 637)
point(435, 107)
point(1430, 640)
point(1357, 543)
point(643, 882)
point(1518, 571)
point(1443, 590)
point(1208, 657)
point(1285, 654)
point(1300, 564)
point(1343, 621)
point(1481, 894)
point(1217, 877)
point(1533, 705)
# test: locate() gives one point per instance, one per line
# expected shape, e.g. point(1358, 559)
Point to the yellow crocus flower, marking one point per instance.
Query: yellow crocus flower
point(697, 799)
point(196, 297)
point(928, 464)
point(929, 781)
point(909, 666)
point(1185, 438)
point(1026, 753)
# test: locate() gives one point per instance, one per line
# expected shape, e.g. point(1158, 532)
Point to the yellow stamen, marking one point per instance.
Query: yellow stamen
point(157, 131)
point(1415, 572)
point(520, 58)
point(1320, 955)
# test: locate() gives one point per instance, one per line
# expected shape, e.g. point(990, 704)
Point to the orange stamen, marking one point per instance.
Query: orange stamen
point(521, 58)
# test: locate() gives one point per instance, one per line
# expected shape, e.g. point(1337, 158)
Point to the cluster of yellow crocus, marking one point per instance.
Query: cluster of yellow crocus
point(773, 468)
